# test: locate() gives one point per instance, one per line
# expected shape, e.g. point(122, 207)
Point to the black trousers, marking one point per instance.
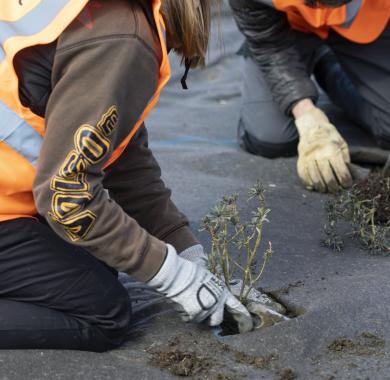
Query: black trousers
point(54, 295)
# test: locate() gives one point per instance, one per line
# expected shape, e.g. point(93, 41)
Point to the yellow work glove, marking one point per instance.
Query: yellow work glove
point(323, 154)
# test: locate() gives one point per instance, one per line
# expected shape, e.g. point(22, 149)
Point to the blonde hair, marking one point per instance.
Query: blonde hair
point(188, 28)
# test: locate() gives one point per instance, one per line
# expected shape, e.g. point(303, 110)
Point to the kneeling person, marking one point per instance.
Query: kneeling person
point(80, 192)
point(346, 45)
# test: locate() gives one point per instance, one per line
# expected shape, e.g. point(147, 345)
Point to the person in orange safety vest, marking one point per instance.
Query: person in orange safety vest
point(346, 45)
point(81, 196)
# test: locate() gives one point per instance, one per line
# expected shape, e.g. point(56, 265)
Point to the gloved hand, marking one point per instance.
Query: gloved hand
point(258, 303)
point(196, 255)
point(322, 153)
point(266, 316)
point(255, 296)
point(197, 293)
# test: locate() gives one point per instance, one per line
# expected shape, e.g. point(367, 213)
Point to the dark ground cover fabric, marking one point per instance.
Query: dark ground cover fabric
point(193, 136)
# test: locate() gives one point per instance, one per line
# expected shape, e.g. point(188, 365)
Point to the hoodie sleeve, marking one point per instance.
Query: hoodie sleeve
point(134, 181)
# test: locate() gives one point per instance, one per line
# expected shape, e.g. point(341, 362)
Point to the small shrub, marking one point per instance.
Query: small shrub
point(366, 209)
point(229, 233)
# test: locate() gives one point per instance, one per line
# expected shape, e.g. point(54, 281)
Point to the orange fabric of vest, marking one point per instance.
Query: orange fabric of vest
point(367, 25)
point(23, 25)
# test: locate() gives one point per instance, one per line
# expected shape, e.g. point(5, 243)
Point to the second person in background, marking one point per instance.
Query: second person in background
point(346, 44)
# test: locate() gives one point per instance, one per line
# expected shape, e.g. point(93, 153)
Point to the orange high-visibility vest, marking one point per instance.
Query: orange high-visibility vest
point(360, 21)
point(25, 24)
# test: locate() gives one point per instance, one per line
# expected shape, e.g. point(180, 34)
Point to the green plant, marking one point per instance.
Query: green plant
point(230, 234)
point(366, 210)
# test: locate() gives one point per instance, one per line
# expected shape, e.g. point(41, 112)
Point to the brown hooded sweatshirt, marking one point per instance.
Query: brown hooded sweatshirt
point(108, 58)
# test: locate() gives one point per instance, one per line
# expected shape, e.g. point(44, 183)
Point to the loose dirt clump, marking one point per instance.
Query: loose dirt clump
point(180, 363)
point(376, 186)
point(201, 362)
point(260, 362)
point(366, 344)
point(211, 360)
point(287, 374)
point(221, 377)
point(341, 344)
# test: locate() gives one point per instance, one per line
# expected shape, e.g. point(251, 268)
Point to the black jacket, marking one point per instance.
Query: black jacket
point(271, 42)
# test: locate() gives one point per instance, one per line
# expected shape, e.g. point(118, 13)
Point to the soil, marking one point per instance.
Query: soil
point(260, 362)
point(287, 374)
point(180, 363)
point(366, 344)
point(221, 377)
point(375, 185)
point(205, 361)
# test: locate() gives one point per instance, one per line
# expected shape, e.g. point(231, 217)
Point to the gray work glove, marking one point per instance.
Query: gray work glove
point(267, 311)
point(197, 255)
point(256, 296)
point(197, 293)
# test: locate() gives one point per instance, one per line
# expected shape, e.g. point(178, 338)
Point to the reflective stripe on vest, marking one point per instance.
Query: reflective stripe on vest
point(18, 135)
point(32, 23)
point(352, 10)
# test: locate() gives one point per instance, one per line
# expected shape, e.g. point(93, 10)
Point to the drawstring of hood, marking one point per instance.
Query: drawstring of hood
point(183, 81)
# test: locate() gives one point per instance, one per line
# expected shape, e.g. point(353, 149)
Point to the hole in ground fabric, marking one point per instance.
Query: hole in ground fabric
point(230, 327)
point(292, 311)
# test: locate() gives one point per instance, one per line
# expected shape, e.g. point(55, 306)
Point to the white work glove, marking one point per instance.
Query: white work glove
point(323, 154)
point(197, 293)
point(256, 296)
point(259, 304)
point(196, 255)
